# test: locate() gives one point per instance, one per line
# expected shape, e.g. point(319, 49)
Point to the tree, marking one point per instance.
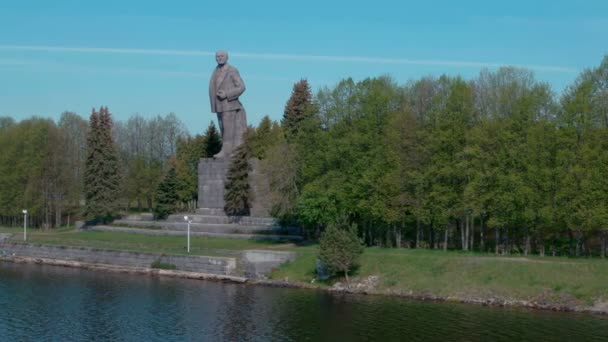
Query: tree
point(166, 195)
point(237, 196)
point(340, 248)
point(298, 107)
point(212, 140)
point(102, 178)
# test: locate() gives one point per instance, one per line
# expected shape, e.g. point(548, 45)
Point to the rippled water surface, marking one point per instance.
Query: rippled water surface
point(65, 304)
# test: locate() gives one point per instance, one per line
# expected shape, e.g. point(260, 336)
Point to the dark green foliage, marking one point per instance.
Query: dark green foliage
point(101, 176)
point(298, 108)
point(212, 141)
point(237, 195)
point(166, 195)
point(190, 150)
point(267, 135)
point(340, 248)
point(162, 265)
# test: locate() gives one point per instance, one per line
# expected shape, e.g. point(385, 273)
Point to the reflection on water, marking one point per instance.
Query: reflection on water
point(46, 302)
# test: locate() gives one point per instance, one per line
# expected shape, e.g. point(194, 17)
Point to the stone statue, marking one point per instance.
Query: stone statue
point(225, 87)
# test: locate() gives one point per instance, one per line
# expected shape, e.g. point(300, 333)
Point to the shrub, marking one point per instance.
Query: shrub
point(163, 265)
point(339, 249)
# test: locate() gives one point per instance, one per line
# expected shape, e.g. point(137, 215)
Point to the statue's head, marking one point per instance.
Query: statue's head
point(221, 57)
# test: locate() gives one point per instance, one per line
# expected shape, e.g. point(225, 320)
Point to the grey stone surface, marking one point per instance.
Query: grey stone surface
point(139, 217)
point(5, 236)
point(192, 263)
point(211, 183)
point(225, 87)
point(212, 178)
point(223, 219)
point(276, 237)
point(259, 263)
point(199, 227)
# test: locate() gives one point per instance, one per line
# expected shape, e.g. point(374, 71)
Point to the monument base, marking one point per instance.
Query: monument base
point(212, 178)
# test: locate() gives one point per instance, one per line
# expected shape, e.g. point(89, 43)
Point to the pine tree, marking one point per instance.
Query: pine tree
point(213, 141)
point(102, 177)
point(298, 107)
point(237, 195)
point(166, 195)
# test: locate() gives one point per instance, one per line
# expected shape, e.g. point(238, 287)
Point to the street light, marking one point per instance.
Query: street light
point(24, 224)
point(186, 218)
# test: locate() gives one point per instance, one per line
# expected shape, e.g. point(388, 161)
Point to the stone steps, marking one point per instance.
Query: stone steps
point(200, 227)
point(274, 237)
point(215, 219)
point(210, 222)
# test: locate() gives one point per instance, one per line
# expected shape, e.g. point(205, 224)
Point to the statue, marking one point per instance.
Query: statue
point(225, 87)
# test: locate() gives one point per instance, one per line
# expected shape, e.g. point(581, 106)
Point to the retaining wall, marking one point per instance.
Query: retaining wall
point(191, 263)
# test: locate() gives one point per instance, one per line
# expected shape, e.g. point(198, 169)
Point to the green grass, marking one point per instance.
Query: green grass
point(143, 243)
point(468, 275)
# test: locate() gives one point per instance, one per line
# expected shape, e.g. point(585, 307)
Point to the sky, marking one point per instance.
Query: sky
point(156, 57)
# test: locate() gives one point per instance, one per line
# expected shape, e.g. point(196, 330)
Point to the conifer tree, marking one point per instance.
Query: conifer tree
point(237, 196)
point(213, 141)
point(166, 195)
point(298, 107)
point(102, 177)
point(340, 248)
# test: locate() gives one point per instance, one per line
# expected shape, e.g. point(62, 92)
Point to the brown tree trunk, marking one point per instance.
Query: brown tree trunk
point(497, 237)
point(466, 232)
point(527, 242)
point(397, 237)
point(472, 232)
point(603, 249)
point(417, 233)
point(481, 240)
point(463, 240)
point(445, 239)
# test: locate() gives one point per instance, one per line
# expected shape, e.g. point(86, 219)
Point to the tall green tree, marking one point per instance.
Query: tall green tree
point(212, 141)
point(166, 195)
point(298, 108)
point(101, 176)
point(237, 194)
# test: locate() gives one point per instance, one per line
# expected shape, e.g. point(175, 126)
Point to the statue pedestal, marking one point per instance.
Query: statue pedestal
point(212, 178)
point(211, 182)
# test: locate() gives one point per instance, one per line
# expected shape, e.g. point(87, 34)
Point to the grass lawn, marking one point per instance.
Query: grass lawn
point(470, 275)
point(143, 243)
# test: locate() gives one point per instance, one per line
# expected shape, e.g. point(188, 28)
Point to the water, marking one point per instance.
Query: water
point(67, 304)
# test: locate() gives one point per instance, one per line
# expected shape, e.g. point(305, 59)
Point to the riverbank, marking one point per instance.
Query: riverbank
point(560, 284)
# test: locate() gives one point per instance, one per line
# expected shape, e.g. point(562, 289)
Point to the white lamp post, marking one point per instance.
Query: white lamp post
point(186, 218)
point(24, 224)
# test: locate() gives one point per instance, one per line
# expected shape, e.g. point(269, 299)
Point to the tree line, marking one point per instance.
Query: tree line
point(498, 163)
point(93, 168)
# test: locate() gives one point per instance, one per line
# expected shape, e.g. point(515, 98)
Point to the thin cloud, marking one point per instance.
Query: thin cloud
point(293, 57)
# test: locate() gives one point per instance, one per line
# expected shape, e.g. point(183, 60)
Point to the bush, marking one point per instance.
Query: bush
point(339, 249)
point(163, 265)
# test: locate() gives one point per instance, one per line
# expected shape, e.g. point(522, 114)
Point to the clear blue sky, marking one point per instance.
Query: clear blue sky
point(155, 57)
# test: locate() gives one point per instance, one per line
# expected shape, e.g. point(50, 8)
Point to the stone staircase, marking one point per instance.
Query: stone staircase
point(206, 222)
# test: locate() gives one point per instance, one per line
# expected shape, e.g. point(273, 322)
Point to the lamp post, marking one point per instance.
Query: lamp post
point(24, 224)
point(186, 218)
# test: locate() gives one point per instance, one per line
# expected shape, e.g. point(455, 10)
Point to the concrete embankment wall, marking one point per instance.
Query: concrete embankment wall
point(259, 263)
point(201, 264)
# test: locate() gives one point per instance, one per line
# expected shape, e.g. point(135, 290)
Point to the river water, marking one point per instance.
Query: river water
point(68, 304)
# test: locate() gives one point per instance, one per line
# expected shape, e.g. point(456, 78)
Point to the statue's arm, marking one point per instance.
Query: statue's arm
point(238, 87)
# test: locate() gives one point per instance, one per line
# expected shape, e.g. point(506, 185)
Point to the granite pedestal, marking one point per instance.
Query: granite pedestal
point(212, 178)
